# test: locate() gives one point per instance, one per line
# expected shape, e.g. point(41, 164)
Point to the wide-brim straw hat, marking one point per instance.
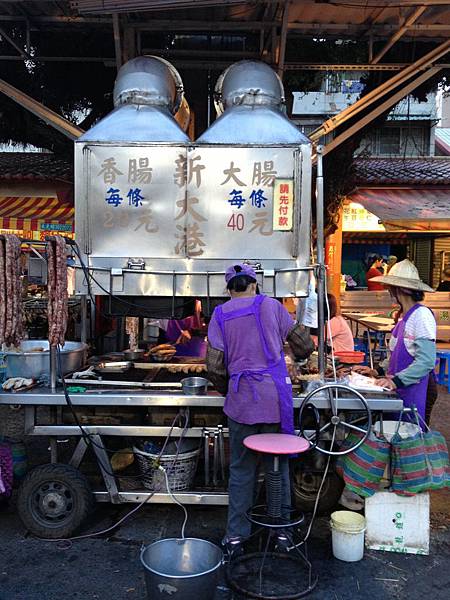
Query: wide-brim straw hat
point(404, 274)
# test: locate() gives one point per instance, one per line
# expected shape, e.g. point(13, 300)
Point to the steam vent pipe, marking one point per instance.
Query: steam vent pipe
point(148, 91)
point(249, 97)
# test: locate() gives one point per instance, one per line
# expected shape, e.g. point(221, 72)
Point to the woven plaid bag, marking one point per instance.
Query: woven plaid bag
point(363, 468)
point(420, 462)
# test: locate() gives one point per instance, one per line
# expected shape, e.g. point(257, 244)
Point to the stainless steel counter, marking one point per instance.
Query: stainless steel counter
point(378, 402)
point(382, 401)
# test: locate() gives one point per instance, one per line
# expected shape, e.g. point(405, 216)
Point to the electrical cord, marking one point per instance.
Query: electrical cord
point(176, 502)
point(103, 531)
point(316, 504)
point(327, 466)
point(131, 512)
point(89, 441)
point(141, 504)
point(86, 437)
point(88, 275)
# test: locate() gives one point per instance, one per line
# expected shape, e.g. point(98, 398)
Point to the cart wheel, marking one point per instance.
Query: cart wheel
point(54, 500)
point(305, 486)
point(338, 424)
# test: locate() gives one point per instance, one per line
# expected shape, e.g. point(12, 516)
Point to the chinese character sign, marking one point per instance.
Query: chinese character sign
point(177, 202)
point(283, 204)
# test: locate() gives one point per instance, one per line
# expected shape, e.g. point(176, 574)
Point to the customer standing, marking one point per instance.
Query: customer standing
point(413, 340)
point(392, 259)
point(245, 360)
point(375, 270)
point(338, 332)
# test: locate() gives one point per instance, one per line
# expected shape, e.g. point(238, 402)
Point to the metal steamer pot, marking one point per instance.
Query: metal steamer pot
point(35, 364)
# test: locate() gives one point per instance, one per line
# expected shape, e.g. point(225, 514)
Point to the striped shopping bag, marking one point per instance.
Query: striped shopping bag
point(363, 468)
point(420, 462)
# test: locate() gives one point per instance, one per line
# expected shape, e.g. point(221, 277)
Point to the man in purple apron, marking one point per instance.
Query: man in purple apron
point(245, 360)
point(413, 341)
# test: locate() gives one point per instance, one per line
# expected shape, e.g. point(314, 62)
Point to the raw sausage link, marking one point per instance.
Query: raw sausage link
point(50, 287)
point(2, 291)
point(57, 290)
point(11, 314)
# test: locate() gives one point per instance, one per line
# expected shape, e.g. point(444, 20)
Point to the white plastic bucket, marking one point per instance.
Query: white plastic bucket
point(347, 533)
point(405, 430)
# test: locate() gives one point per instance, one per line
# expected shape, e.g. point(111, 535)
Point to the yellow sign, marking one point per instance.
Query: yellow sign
point(357, 218)
point(283, 204)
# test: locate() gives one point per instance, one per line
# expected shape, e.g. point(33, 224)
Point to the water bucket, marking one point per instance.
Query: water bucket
point(347, 529)
point(184, 569)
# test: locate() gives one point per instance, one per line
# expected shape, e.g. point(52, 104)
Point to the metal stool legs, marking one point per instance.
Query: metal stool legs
point(260, 574)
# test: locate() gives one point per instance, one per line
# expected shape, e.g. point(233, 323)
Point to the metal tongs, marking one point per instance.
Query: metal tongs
point(215, 438)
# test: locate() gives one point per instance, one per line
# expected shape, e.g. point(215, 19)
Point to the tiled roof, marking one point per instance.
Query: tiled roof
point(34, 166)
point(426, 171)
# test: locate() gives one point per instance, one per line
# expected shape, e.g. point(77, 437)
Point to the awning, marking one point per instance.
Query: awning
point(31, 213)
point(374, 237)
point(419, 209)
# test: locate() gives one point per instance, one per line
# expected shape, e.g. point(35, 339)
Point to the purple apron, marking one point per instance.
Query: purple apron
point(276, 365)
point(415, 394)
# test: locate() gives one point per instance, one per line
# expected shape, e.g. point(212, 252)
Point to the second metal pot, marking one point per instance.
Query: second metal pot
point(194, 386)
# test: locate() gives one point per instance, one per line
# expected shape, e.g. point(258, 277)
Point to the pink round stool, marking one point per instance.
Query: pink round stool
point(254, 575)
point(276, 443)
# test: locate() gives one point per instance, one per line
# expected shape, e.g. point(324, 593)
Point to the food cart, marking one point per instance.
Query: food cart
point(158, 220)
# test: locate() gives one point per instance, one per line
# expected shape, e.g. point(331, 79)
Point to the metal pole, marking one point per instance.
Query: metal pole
point(53, 368)
point(320, 262)
point(83, 333)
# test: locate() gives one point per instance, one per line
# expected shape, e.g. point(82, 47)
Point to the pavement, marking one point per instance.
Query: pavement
point(107, 567)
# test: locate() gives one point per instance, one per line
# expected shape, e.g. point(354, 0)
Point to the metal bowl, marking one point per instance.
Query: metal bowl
point(194, 386)
point(33, 360)
point(134, 354)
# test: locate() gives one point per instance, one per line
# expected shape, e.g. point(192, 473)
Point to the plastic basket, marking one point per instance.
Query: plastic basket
point(349, 358)
point(180, 470)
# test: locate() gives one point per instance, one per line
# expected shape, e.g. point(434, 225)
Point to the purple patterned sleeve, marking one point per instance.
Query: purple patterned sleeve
point(285, 320)
point(215, 335)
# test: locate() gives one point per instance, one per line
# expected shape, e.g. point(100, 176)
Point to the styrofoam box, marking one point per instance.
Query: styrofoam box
point(398, 523)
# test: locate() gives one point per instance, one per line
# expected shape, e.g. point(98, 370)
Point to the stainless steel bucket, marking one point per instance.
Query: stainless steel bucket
point(187, 569)
point(35, 364)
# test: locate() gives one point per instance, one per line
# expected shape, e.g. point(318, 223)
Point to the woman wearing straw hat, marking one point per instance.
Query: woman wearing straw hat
point(413, 341)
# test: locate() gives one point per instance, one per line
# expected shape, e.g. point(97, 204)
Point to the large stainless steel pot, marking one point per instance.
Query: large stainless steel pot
point(37, 364)
point(184, 569)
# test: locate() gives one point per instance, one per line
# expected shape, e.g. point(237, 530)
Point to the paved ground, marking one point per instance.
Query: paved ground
point(108, 568)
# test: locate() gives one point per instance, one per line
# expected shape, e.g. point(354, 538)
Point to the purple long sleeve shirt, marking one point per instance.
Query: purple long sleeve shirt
point(245, 352)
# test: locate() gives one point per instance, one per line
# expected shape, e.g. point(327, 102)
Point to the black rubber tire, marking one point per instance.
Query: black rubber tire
point(305, 486)
point(54, 500)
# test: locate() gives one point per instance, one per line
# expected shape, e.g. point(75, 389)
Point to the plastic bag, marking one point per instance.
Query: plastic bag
point(363, 469)
point(419, 462)
point(310, 312)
